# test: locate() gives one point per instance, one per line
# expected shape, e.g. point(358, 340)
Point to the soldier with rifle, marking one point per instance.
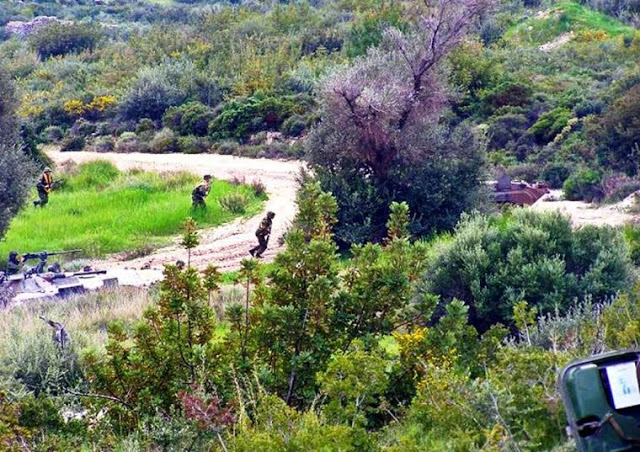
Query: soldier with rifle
point(200, 192)
point(14, 264)
point(263, 233)
point(43, 256)
point(44, 187)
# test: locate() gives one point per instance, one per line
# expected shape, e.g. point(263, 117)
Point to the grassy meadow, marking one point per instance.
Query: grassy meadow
point(102, 210)
point(565, 17)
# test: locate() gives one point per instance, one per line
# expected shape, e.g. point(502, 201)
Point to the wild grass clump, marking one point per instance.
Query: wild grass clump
point(235, 202)
point(102, 210)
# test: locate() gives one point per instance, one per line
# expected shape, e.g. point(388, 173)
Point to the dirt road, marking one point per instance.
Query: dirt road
point(583, 214)
point(224, 246)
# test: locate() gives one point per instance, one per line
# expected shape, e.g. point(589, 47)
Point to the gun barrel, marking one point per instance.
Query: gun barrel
point(45, 254)
point(92, 272)
point(56, 253)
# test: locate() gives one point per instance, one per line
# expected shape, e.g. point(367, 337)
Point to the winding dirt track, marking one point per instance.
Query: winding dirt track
point(224, 246)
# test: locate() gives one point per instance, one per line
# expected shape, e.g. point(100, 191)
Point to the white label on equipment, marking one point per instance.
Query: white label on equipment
point(623, 381)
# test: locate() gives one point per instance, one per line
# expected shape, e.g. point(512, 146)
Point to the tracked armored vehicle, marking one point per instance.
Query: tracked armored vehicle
point(48, 282)
point(506, 191)
point(24, 287)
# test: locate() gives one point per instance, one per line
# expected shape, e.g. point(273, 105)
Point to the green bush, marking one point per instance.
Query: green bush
point(83, 127)
point(437, 188)
point(189, 119)
point(632, 236)
point(584, 185)
point(294, 126)
point(129, 142)
point(36, 362)
point(193, 145)
point(242, 117)
point(226, 147)
point(492, 263)
point(73, 143)
point(52, 134)
point(16, 169)
point(145, 125)
point(156, 89)
point(555, 174)
point(103, 144)
point(163, 142)
point(549, 124)
point(58, 39)
point(234, 202)
point(616, 133)
point(506, 94)
point(506, 130)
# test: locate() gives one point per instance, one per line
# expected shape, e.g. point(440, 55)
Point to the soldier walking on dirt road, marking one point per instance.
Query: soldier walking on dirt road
point(201, 191)
point(263, 233)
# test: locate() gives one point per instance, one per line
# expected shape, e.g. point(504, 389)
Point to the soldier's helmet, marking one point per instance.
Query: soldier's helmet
point(207, 177)
point(47, 170)
point(13, 254)
point(271, 214)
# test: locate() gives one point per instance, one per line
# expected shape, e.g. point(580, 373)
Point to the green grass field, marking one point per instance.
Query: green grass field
point(564, 17)
point(101, 211)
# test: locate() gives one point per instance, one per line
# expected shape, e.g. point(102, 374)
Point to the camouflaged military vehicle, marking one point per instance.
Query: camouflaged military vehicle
point(506, 191)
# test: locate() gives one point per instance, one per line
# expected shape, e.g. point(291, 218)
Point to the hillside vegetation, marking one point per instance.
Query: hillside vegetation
point(405, 313)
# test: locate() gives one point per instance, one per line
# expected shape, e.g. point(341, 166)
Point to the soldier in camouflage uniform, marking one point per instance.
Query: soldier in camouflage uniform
point(200, 192)
point(13, 264)
point(44, 187)
point(263, 233)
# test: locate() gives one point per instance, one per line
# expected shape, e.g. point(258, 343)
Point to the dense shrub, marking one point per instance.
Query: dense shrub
point(585, 185)
point(16, 171)
point(83, 127)
point(164, 141)
point(294, 126)
point(103, 144)
point(616, 133)
point(242, 117)
point(189, 119)
point(155, 90)
point(493, 263)
point(226, 147)
point(507, 94)
point(555, 174)
point(193, 145)
point(617, 187)
point(52, 134)
point(549, 124)
point(73, 143)
point(41, 366)
point(129, 142)
point(235, 202)
point(632, 236)
point(58, 39)
point(505, 130)
point(145, 125)
point(438, 189)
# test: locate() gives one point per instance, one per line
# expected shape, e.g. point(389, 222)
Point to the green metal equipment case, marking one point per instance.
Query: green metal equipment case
point(602, 399)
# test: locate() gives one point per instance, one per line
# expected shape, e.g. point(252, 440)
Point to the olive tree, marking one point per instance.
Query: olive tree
point(16, 170)
point(380, 131)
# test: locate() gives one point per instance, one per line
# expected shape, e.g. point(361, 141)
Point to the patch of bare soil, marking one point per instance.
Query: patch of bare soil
point(556, 43)
point(583, 213)
point(224, 246)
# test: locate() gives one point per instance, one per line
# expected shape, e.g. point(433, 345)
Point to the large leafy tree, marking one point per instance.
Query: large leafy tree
point(16, 170)
point(379, 137)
